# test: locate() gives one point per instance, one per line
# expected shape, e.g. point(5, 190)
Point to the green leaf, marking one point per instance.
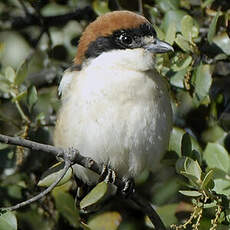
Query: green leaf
point(178, 78)
point(50, 176)
point(34, 218)
point(202, 80)
point(32, 97)
point(210, 205)
point(8, 221)
point(222, 186)
point(227, 213)
point(4, 85)
point(21, 73)
point(173, 17)
point(183, 44)
point(193, 168)
point(166, 5)
point(181, 62)
point(14, 191)
point(100, 7)
point(10, 74)
point(196, 156)
point(207, 180)
point(97, 194)
point(213, 134)
point(20, 96)
point(66, 206)
point(212, 28)
point(171, 33)
point(195, 30)
point(223, 42)
point(216, 156)
point(194, 182)
point(186, 27)
point(189, 28)
point(186, 145)
point(190, 193)
point(63, 188)
point(160, 33)
point(3, 146)
point(167, 214)
point(166, 190)
point(176, 138)
point(107, 220)
point(180, 164)
point(190, 169)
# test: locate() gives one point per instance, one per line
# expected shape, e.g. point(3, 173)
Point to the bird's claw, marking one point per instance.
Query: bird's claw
point(129, 187)
point(108, 175)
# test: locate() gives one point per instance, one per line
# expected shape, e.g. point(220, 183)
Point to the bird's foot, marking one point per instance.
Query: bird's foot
point(129, 187)
point(108, 175)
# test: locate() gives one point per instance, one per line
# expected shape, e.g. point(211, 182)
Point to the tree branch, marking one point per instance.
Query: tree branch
point(43, 193)
point(72, 156)
point(18, 23)
point(30, 144)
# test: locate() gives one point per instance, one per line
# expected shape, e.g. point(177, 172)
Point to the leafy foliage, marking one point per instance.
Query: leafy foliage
point(8, 221)
point(191, 188)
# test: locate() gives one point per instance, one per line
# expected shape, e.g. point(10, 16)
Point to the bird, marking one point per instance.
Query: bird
point(115, 106)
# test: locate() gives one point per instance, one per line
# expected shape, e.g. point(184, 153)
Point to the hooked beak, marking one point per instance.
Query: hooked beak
point(158, 46)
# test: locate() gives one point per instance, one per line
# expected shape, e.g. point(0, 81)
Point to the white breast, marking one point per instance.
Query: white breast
point(117, 116)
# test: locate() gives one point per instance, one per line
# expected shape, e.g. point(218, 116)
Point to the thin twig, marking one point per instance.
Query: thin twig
point(20, 149)
point(24, 7)
point(43, 193)
point(30, 144)
point(73, 156)
point(48, 21)
point(35, 43)
point(140, 6)
point(23, 116)
point(45, 29)
point(19, 108)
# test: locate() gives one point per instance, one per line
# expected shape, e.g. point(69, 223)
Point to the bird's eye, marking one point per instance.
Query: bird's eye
point(126, 40)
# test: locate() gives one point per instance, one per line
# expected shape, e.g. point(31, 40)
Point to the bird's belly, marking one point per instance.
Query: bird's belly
point(127, 133)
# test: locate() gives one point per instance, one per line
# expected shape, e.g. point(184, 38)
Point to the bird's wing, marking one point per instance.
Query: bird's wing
point(66, 80)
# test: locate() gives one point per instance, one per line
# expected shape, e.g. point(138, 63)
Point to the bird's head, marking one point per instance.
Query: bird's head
point(119, 31)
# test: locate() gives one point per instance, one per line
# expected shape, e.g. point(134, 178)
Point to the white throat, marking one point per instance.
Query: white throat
point(134, 59)
point(138, 60)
